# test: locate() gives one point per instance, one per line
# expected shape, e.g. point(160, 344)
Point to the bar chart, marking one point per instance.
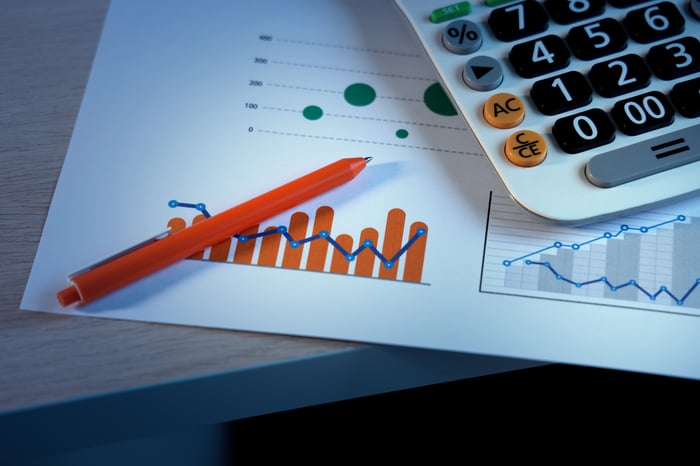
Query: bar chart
point(399, 254)
point(647, 261)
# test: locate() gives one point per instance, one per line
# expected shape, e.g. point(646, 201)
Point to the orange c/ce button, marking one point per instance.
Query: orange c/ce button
point(526, 148)
point(504, 110)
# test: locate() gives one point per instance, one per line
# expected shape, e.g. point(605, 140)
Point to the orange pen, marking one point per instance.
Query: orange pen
point(139, 262)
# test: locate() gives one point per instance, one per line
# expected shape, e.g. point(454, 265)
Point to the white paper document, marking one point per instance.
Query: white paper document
point(194, 107)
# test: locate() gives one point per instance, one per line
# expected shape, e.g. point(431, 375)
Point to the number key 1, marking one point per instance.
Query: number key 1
point(561, 93)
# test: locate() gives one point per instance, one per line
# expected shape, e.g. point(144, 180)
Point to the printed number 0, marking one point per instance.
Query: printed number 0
point(592, 129)
point(650, 106)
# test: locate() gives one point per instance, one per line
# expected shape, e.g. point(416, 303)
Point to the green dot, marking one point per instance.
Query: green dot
point(401, 134)
point(359, 94)
point(312, 112)
point(437, 101)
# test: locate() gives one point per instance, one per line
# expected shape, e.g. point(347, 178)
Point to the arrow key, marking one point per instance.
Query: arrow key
point(483, 73)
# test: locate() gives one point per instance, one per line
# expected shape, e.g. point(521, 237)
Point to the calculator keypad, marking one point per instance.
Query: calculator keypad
point(594, 82)
point(600, 40)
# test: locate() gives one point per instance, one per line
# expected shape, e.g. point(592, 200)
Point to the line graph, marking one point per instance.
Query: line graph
point(396, 257)
point(645, 261)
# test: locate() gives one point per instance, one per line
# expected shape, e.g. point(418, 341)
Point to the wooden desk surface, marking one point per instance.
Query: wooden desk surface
point(46, 52)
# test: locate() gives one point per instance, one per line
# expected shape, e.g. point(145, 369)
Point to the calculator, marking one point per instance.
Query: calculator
point(585, 108)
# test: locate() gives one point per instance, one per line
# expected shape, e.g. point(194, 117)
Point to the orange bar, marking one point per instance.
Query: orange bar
point(365, 260)
point(243, 254)
point(176, 224)
point(269, 248)
point(415, 254)
point(197, 219)
point(393, 236)
point(339, 263)
point(318, 248)
point(291, 259)
point(134, 264)
point(219, 252)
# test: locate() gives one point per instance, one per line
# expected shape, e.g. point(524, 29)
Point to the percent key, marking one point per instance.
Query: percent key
point(462, 37)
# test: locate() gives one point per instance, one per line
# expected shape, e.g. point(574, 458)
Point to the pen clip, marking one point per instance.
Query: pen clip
point(128, 250)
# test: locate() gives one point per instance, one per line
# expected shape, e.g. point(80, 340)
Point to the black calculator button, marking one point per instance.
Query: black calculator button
point(539, 56)
point(619, 75)
point(518, 20)
point(643, 113)
point(570, 12)
point(561, 93)
point(625, 3)
point(654, 22)
point(644, 158)
point(675, 59)
point(686, 97)
point(597, 39)
point(583, 131)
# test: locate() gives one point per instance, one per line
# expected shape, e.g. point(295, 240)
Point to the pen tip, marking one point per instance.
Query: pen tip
point(368, 159)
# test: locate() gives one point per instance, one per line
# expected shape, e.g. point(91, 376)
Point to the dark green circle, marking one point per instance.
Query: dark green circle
point(401, 133)
point(437, 101)
point(312, 112)
point(359, 94)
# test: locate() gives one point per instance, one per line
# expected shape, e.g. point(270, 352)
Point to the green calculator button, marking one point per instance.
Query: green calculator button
point(450, 12)
point(497, 2)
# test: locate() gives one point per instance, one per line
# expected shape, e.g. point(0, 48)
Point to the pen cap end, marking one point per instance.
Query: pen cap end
point(68, 296)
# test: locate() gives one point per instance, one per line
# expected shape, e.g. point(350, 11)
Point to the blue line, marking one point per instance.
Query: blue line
point(606, 235)
point(615, 288)
point(200, 206)
point(323, 234)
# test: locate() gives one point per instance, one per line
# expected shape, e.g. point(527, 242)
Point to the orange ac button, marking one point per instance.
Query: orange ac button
point(504, 110)
point(526, 148)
